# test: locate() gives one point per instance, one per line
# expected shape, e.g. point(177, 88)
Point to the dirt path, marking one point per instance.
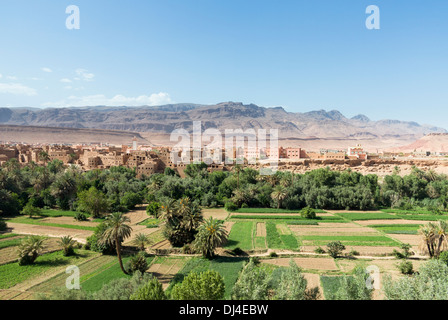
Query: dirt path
point(56, 232)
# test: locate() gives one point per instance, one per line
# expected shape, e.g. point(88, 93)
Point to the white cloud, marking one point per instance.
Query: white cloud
point(13, 78)
point(118, 100)
point(84, 74)
point(1, 76)
point(65, 80)
point(47, 70)
point(17, 89)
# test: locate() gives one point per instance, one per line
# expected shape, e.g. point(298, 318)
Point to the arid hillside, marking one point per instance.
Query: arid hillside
point(32, 135)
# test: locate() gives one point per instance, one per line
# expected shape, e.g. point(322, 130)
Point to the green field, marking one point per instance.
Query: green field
point(241, 236)
point(413, 212)
point(367, 216)
point(271, 210)
point(12, 274)
point(423, 217)
point(277, 239)
point(58, 213)
point(7, 235)
point(293, 218)
point(10, 243)
point(229, 268)
point(150, 223)
point(397, 228)
point(351, 240)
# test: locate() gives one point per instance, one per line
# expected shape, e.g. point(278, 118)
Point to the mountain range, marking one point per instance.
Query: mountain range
point(229, 115)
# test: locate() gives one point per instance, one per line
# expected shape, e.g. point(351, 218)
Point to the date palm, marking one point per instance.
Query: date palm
point(67, 243)
point(29, 249)
point(141, 240)
point(211, 235)
point(116, 231)
point(279, 194)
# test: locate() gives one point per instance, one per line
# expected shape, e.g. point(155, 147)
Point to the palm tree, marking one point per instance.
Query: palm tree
point(44, 157)
point(141, 240)
point(238, 170)
point(29, 249)
point(441, 228)
point(168, 208)
point(279, 194)
point(193, 218)
point(427, 233)
point(211, 235)
point(67, 243)
point(116, 231)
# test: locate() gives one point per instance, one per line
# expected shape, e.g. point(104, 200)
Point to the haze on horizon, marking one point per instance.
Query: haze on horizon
point(300, 55)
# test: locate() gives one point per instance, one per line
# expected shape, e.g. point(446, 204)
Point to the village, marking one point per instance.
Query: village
point(148, 160)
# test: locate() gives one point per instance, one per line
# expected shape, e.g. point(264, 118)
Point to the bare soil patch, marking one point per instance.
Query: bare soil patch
point(261, 229)
point(56, 232)
point(166, 270)
point(313, 280)
point(388, 222)
point(69, 221)
point(216, 213)
point(9, 254)
point(324, 264)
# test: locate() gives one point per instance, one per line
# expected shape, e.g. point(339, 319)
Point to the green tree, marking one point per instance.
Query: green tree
point(293, 285)
point(31, 211)
point(354, 287)
point(430, 283)
point(116, 230)
point(335, 248)
point(211, 234)
point(207, 285)
point(93, 202)
point(252, 283)
point(152, 290)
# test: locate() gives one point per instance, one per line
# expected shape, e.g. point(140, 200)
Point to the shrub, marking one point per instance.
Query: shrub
point(308, 213)
point(406, 251)
point(123, 288)
point(79, 216)
point(153, 209)
point(152, 290)
point(245, 205)
point(252, 283)
point(444, 257)
point(67, 244)
point(137, 263)
point(95, 245)
point(335, 248)
point(63, 293)
point(187, 249)
point(3, 225)
point(353, 253)
point(430, 283)
point(273, 254)
point(319, 250)
point(293, 285)
point(31, 211)
point(230, 206)
point(406, 267)
point(207, 285)
point(354, 287)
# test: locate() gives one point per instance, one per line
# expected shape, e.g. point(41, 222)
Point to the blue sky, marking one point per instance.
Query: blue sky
point(302, 55)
